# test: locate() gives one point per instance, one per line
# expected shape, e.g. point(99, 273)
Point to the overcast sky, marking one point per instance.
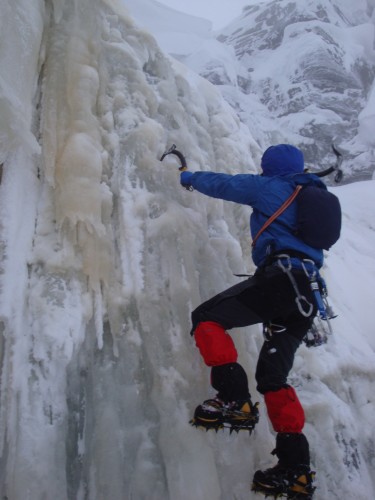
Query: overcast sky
point(220, 12)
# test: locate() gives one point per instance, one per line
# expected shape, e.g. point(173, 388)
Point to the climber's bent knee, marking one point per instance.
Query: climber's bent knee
point(215, 344)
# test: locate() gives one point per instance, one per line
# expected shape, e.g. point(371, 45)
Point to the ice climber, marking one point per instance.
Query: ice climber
point(279, 295)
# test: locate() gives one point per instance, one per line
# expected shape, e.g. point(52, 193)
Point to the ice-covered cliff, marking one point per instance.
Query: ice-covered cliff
point(103, 256)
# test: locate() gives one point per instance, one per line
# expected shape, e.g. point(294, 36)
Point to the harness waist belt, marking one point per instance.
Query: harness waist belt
point(291, 253)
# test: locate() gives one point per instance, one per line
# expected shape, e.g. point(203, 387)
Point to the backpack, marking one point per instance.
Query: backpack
point(318, 216)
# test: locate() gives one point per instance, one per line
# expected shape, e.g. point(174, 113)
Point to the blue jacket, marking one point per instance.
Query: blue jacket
point(265, 194)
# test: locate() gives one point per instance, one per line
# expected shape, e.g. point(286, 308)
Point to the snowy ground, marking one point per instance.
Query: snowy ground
point(104, 255)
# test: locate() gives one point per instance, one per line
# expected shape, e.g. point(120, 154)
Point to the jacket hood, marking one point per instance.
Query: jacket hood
point(281, 160)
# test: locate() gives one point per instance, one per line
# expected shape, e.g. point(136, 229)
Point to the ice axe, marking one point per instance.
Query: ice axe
point(174, 151)
point(335, 168)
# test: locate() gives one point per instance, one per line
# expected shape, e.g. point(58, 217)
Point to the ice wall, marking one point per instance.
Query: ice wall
point(98, 274)
point(104, 255)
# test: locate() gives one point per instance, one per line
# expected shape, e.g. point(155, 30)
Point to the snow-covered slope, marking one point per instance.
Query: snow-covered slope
point(177, 33)
point(104, 255)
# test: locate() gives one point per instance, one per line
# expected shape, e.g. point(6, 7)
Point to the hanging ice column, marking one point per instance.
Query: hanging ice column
point(73, 151)
point(45, 300)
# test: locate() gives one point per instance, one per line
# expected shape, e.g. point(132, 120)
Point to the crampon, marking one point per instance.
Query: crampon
point(235, 416)
point(279, 482)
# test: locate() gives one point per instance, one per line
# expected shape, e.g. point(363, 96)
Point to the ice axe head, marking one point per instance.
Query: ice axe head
point(173, 151)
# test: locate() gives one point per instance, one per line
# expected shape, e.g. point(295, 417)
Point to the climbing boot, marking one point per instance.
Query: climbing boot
point(294, 483)
point(217, 414)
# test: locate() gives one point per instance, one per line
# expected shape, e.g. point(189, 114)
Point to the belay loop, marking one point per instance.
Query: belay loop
point(270, 329)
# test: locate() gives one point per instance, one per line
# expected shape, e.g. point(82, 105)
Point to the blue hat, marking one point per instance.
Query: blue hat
point(281, 160)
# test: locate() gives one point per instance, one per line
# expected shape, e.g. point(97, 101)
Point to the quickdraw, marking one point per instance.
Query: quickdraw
point(304, 306)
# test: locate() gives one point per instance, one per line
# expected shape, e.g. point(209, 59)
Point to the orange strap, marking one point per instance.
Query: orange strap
point(278, 212)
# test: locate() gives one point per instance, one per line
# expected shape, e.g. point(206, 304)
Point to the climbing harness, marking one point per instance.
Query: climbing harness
point(270, 329)
point(304, 306)
point(321, 327)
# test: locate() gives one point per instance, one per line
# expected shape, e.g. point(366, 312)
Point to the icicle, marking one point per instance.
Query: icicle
point(98, 312)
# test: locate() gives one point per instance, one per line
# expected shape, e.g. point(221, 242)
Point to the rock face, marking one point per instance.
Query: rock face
point(311, 64)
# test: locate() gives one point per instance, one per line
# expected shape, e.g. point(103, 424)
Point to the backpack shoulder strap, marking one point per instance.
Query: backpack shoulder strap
point(278, 212)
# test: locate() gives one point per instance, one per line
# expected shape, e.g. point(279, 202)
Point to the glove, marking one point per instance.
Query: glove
point(185, 179)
